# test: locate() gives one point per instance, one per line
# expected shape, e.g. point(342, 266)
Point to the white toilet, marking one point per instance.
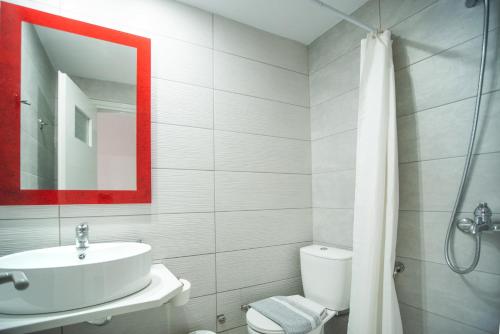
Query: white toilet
point(326, 279)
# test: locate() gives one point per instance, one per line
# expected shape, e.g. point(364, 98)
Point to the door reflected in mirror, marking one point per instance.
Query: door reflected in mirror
point(78, 112)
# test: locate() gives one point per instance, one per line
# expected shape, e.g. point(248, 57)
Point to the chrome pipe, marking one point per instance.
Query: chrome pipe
point(468, 160)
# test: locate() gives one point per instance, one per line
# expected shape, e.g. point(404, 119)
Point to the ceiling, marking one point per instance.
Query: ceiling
point(88, 57)
point(300, 20)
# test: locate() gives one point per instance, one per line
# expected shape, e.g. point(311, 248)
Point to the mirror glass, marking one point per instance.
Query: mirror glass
point(78, 112)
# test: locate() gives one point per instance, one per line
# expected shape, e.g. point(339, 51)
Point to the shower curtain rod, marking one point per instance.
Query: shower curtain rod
point(346, 17)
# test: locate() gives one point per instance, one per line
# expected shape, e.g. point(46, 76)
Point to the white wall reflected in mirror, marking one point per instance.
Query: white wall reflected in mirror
point(78, 116)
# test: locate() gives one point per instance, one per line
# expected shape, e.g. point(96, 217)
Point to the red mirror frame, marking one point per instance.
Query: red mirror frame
point(11, 17)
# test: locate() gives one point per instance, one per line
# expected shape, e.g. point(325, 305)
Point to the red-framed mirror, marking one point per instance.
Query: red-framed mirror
point(74, 111)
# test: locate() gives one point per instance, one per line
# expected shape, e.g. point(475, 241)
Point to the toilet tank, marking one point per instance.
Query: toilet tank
point(326, 275)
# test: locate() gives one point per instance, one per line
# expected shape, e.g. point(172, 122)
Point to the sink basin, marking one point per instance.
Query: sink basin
point(61, 281)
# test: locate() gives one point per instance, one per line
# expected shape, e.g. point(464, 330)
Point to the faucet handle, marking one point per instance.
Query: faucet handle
point(18, 278)
point(483, 210)
point(82, 229)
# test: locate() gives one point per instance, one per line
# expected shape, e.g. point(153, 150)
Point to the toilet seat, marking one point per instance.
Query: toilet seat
point(261, 324)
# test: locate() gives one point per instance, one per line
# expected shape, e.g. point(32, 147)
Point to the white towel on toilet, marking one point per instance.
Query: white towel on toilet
point(307, 304)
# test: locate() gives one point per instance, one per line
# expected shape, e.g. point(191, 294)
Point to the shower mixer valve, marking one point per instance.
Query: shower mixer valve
point(482, 221)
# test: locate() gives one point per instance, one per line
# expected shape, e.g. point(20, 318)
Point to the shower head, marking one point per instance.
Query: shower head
point(470, 3)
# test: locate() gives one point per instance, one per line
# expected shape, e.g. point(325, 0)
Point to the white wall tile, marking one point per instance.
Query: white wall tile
point(182, 191)
point(253, 191)
point(336, 78)
point(243, 113)
point(181, 147)
point(333, 226)
point(168, 17)
point(198, 270)
point(251, 229)
point(181, 104)
point(171, 235)
point(246, 152)
point(240, 75)
point(335, 115)
point(335, 152)
point(26, 234)
point(48, 6)
point(434, 287)
point(239, 39)
point(180, 61)
point(90, 210)
point(28, 211)
point(334, 189)
point(256, 266)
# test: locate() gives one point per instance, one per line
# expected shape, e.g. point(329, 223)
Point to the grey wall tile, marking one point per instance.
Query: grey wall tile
point(248, 114)
point(198, 314)
point(483, 182)
point(421, 235)
point(434, 29)
point(257, 266)
point(417, 321)
point(394, 11)
point(343, 37)
point(336, 78)
point(181, 147)
point(170, 235)
point(250, 229)
point(181, 104)
point(434, 287)
point(335, 152)
point(26, 234)
point(429, 185)
point(335, 115)
point(180, 61)
point(333, 226)
point(337, 325)
point(334, 189)
point(239, 39)
point(246, 152)
point(240, 75)
point(444, 131)
point(253, 191)
point(199, 270)
point(229, 303)
point(446, 77)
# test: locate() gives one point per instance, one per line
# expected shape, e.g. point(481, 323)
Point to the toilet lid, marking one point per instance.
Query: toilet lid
point(262, 324)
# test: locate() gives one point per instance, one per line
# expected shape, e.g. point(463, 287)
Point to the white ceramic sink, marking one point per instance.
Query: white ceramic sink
point(59, 280)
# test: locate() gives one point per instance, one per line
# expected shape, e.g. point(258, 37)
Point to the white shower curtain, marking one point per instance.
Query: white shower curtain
point(374, 306)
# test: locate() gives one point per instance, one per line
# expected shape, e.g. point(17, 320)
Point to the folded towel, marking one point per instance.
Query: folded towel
point(308, 306)
point(295, 315)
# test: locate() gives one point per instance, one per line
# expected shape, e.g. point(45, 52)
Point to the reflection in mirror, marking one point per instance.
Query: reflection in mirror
point(78, 112)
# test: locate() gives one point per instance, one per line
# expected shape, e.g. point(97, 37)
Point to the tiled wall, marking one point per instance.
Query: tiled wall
point(231, 165)
point(38, 88)
point(436, 53)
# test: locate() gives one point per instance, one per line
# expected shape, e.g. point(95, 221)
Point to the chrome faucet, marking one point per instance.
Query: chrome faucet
point(82, 237)
point(18, 278)
point(482, 221)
